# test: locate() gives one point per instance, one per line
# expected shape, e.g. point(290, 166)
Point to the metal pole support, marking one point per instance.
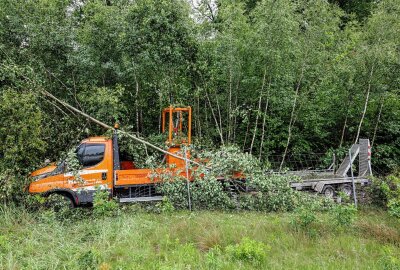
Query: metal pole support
point(187, 178)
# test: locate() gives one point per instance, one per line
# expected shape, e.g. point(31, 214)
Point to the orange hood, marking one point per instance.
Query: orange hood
point(51, 167)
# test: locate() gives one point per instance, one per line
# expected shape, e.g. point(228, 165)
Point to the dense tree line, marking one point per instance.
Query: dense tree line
point(274, 77)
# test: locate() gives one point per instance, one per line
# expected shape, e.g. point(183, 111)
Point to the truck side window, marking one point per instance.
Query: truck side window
point(93, 154)
point(80, 152)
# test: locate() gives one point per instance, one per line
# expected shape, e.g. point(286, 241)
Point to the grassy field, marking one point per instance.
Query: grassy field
point(198, 240)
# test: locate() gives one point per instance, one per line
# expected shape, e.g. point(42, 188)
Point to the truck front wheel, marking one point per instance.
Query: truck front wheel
point(58, 201)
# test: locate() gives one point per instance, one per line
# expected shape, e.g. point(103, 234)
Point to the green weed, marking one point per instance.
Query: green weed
point(248, 250)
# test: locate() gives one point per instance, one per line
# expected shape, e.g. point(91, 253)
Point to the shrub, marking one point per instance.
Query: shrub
point(275, 193)
point(394, 207)
point(205, 193)
point(213, 258)
point(228, 160)
point(103, 205)
point(165, 206)
point(55, 206)
point(248, 250)
point(21, 141)
point(383, 190)
point(303, 219)
point(344, 215)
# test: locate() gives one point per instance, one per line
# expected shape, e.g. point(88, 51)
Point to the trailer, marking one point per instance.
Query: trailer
point(344, 179)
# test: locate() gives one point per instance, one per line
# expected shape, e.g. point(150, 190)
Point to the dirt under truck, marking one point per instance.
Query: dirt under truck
point(102, 168)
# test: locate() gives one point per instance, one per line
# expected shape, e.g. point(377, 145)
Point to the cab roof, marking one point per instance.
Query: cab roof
point(96, 139)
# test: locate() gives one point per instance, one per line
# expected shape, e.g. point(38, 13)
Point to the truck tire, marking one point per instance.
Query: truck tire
point(328, 191)
point(56, 201)
point(347, 189)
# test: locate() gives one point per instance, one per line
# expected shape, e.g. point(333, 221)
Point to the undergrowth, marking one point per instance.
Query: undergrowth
point(137, 239)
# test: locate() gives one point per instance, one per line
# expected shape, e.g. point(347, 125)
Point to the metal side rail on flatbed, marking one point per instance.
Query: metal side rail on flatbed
point(318, 185)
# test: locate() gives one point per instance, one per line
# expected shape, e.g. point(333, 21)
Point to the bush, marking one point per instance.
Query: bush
point(205, 193)
point(275, 193)
point(344, 215)
point(213, 258)
point(394, 207)
point(248, 250)
point(21, 141)
point(303, 219)
point(165, 206)
point(103, 205)
point(384, 189)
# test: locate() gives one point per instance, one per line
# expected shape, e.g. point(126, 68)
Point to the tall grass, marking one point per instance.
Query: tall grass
point(199, 240)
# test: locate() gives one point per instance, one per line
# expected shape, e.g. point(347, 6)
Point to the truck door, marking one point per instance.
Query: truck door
point(94, 172)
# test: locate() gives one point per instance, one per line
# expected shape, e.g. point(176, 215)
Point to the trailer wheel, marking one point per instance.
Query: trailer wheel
point(347, 189)
point(328, 191)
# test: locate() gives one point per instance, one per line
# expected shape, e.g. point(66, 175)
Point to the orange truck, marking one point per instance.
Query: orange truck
point(102, 168)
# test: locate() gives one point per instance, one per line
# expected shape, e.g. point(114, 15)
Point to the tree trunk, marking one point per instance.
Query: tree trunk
point(215, 119)
point(229, 106)
point(345, 122)
point(365, 105)
point(235, 117)
point(377, 121)
point(264, 120)
point(292, 118)
point(343, 129)
point(258, 110)
point(198, 117)
point(137, 104)
point(247, 132)
point(220, 119)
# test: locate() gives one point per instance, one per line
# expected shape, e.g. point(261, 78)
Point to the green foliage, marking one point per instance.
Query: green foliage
point(104, 103)
point(228, 160)
point(389, 261)
point(88, 260)
point(218, 185)
point(265, 75)
point(165, 206)
point(103, 205)
point(248, 250)
point(21, 139)
point(177, 241)
point(304, 219)
point(344, 215)
point(205, 193)
point(385, 191)
point(394, 207)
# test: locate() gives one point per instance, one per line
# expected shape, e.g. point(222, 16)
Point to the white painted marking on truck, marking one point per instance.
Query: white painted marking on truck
point(101, 187)
point(85, 172)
